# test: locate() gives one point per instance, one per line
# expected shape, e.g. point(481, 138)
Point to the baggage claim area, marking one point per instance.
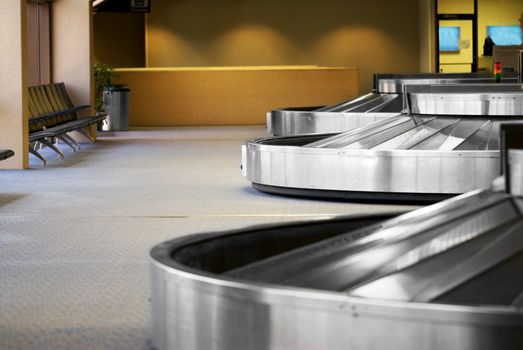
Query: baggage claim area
point(191, 175)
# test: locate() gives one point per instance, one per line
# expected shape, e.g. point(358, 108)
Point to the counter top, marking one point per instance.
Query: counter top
point(221, 69)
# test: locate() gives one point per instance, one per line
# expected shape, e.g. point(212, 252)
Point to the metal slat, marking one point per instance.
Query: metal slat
point(508, 244)
point(369, 106)
point(414, 137)
point(349, 104)
point(344, 139)
point(413, 273)
point(437, 140)
point(344, 272)
point(314, 264)
point(388, 99)
point(463, 131)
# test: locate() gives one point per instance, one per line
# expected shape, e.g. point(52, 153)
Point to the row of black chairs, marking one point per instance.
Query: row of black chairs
point(52, 115)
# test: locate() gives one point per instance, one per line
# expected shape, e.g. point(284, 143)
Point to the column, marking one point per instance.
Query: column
point(13, 94)
point(72, 47)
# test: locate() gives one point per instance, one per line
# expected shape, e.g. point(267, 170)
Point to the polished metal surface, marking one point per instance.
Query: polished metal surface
point(443, 277)
point(385, 101)
point(339, 117)
point(516, 172)
point(403, 158)
point(393, 83)
point(466, 100)
point(401, 155)
point(298, 122)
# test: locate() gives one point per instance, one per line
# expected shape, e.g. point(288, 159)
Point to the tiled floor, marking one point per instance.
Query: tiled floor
point(75, 236)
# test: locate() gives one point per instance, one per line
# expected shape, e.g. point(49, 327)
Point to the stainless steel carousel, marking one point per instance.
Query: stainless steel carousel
point(447, 144)
point(386, 100)
point(447, 276)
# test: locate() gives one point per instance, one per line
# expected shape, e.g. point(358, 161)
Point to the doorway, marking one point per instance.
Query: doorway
point(39, 42)
point(456, 36)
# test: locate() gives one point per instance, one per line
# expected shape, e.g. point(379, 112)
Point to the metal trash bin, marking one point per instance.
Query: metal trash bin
point(116, 104)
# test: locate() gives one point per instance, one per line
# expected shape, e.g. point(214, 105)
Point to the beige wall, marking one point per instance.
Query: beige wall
point(119, 39)
point(375, 36)
point(13, 95)
point(71, 50)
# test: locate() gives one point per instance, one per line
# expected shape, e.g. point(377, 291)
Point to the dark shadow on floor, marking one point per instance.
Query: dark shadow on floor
point(8, 198)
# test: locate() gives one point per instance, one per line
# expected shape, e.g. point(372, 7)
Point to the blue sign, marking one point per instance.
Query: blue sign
point(449, 39)
point(505, 35)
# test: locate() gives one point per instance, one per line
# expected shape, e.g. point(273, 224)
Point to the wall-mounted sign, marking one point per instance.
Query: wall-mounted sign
point(140, 6)
point(137, 6)
point(449, 37)
point(464, 44)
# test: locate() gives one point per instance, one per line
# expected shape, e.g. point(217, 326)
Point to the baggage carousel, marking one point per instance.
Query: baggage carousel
point(447, 276)
point(386, 100)
point(448, 147)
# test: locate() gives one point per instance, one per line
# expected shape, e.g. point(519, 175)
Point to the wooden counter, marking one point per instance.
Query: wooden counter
point(229, 95)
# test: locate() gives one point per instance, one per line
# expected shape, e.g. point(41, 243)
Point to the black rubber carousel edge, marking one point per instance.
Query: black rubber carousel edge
point(356, 196)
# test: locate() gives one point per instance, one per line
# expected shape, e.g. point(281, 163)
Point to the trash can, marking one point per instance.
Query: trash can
point(116, 104)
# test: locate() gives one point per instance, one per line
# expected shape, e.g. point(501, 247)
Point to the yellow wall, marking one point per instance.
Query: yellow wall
point(379, 36)
point(490, 12)
point(119, 39)
point(496, 12)
point(455, 6)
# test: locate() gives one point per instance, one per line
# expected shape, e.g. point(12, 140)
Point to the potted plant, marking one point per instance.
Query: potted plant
point(103, 75)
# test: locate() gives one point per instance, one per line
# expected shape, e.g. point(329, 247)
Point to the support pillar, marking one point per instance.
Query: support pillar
point(13, 94)
point(427, 36)
point(72, 47)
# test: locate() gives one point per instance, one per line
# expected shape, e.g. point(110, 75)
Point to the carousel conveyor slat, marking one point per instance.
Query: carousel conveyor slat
point(338, 263)
point(348, 104)
point(429, 280)
point(452, 136)
point(383, 136)
point(417, 133)
point(496, 286)
point(366, 104)
point(343, 139)
point(426, 128)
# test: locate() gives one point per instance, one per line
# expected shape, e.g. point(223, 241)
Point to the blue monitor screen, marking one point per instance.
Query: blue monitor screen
point(505, 35)
point(449, 39)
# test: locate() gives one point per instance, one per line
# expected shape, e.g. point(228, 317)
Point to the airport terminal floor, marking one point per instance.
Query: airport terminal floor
point(76, 235)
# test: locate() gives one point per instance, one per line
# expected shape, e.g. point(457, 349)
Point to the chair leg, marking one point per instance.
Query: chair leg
point(86, 134)
point(73, 141)
point(67, 142)
point(53, 147)
point(37, 155)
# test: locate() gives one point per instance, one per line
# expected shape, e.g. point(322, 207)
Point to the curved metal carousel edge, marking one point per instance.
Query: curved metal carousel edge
point(196, 309)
